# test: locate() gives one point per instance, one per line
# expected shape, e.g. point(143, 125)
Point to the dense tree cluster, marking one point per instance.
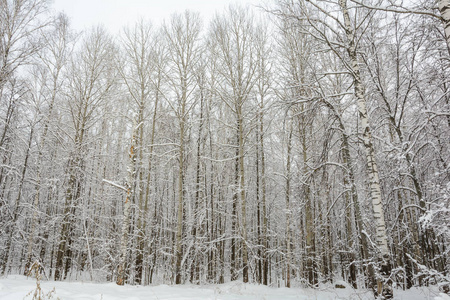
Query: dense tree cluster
point(299, 143)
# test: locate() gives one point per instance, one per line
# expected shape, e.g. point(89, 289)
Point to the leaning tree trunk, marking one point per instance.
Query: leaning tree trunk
point(372, 169)
point(15, 215)
point(349, 180)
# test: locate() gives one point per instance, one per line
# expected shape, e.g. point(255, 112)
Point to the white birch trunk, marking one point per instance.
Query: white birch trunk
point(372, 169)
point(375, 189)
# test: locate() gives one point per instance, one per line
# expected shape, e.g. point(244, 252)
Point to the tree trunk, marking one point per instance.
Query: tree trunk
point(179, 234)
point(68, 211)
point(234, 224)
point(288, 208)
point(15, 214)
point(142, 212)
point(372, 169)
point(121, 272)
point(265, 261)
point(243, 196)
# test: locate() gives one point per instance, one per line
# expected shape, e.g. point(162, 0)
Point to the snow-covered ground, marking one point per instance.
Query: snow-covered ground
point(20, 287)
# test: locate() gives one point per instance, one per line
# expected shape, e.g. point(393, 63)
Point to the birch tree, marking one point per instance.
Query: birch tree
point(323, 32)
point(372, 168)
point(297, 156)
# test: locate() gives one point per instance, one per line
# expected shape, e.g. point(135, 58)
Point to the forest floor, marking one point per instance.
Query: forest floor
point(20, 287)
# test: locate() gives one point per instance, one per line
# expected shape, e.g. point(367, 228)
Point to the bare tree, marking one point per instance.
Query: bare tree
point(21, 23)
point(92, 76)
point(183, 40)
point(263, 85)
point(53, 58)
point(137, 70)
point(234, 34)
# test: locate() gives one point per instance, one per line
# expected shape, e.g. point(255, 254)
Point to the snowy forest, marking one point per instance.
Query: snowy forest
point(291, 144)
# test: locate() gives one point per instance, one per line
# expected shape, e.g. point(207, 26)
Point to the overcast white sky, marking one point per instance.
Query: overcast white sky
point(115, 14)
